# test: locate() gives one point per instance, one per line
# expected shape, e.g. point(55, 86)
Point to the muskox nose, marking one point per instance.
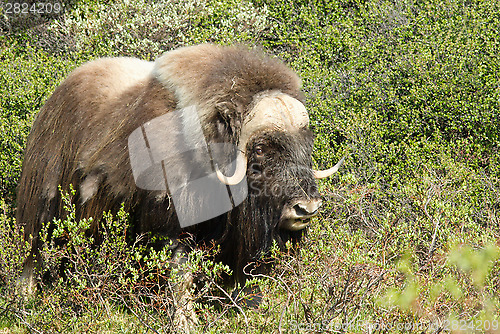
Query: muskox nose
point(306, 208)
point(294, 214)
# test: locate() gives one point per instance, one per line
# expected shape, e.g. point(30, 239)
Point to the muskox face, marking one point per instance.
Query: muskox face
point(280, 172)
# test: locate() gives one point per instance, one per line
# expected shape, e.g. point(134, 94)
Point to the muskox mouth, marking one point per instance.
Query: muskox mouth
point(296, 215)
point(294, 224)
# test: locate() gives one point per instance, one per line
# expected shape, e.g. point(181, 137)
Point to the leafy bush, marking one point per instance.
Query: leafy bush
point(412, 75)
point(82, 277)
point(408, 91)
point(27, 77)
point(145, 29)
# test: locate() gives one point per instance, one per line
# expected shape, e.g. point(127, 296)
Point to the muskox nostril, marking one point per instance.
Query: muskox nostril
point(307, 208)
point(300, 210)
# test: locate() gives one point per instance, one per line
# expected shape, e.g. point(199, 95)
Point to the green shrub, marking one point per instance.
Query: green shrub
point(408, 91)
point(145, 29)
point(105, 279)
point(27, 77)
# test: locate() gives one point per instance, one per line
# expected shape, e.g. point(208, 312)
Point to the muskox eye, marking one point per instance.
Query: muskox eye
point(258, 151)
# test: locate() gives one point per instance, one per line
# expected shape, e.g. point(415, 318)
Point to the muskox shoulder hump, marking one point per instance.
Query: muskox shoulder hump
point(112, 76)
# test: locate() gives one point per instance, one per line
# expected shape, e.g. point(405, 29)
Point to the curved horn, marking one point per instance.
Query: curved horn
point(321, 174)
point(239, 173)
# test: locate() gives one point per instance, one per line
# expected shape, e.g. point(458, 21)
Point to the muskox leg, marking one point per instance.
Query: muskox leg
point(32, 265)
point(27, 282)
point(185, 318)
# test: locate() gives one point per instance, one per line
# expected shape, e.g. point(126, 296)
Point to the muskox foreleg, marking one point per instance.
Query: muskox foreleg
point(27, 282)
point(46, 211)
point(185, 318)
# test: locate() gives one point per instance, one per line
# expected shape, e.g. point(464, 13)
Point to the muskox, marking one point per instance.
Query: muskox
point(241, 97)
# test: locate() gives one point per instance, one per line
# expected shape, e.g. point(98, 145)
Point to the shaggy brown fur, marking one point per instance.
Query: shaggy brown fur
point(80, 138)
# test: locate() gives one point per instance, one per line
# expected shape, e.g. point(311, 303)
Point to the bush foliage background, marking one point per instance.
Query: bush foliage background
point(409, 91)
